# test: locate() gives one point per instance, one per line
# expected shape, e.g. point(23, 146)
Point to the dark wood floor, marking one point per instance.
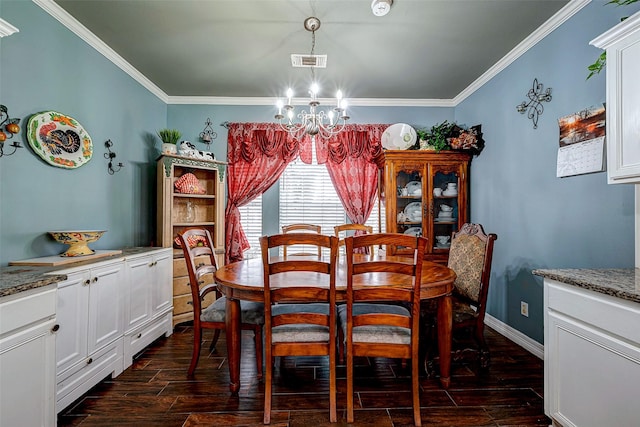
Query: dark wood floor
point(155, 391)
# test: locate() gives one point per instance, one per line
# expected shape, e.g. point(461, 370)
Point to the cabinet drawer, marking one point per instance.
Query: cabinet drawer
point(27, 309)
point(77, 380)
point(180, 267)
point(181, 285)
point(182, 303)
point(139, 339)
point(617, 316)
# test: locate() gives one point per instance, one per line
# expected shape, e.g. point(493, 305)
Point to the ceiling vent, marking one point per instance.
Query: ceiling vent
point(307, 61)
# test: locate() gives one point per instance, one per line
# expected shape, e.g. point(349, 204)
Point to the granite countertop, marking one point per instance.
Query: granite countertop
point(622, 283)
point(19, 278)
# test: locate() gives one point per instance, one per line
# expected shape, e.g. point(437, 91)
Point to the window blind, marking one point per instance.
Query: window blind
point(251, 220)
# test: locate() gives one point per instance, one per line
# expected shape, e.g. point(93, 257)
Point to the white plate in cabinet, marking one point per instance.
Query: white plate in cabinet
point(622, 44)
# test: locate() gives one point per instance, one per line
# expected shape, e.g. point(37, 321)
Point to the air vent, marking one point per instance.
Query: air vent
point(316, 61)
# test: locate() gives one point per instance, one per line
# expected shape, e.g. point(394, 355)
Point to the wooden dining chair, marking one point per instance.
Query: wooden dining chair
point(197, 245)
point(300, 319)
point(344, 230)
point(373, 322)
point(301, 228)
point(470, 256)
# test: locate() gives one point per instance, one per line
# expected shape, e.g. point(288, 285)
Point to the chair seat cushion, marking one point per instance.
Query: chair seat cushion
point(371, 333)
point(300, 332)
point(251, 312)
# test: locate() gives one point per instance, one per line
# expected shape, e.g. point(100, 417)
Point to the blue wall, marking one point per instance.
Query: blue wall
point(542, 221)
point(46, 67)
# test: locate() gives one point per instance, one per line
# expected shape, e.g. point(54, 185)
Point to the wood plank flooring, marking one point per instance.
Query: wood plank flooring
point(156, 392)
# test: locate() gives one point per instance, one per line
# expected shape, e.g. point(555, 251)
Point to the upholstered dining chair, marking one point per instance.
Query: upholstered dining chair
point(372, 321)
point(470, 256)
point(343, 230)
point(300, 319)
point(301, 228)
point(199, 255)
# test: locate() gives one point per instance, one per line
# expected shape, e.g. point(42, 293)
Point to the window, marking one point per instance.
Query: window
point(251, 220)
point(307, 195)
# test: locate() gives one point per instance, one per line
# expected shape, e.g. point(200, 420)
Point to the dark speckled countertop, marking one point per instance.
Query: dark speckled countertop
point(622, 283)
point(20, 278)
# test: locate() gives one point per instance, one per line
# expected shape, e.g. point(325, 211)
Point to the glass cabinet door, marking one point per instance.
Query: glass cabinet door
point(410, 201)
point(445, 209)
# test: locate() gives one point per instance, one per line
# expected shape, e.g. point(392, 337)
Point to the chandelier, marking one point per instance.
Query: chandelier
point(315, 122)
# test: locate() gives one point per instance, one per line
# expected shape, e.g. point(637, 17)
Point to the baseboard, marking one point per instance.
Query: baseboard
point(529, 344)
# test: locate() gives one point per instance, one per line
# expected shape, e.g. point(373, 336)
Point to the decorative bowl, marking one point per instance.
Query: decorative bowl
point(77, 240)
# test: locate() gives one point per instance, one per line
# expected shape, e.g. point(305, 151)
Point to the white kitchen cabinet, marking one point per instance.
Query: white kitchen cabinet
point(592, 357)
point(148, 305)
point(27, 358)
point(622, 44)
point(89, 344)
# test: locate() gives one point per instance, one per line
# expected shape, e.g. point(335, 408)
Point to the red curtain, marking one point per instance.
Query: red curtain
point(257, 154)
point(353, 158)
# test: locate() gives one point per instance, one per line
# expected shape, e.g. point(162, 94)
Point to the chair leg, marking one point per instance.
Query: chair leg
point(258, 339)
point(349, 388)
point(333, 417)
point(415, 391)
point(214, 340)
point(197, 342)
point(267, 385)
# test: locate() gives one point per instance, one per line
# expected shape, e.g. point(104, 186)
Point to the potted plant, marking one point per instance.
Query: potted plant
point(169, 138)
point(435, 138)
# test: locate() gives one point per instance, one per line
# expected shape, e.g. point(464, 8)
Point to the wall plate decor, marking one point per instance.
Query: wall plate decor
point(59, 139)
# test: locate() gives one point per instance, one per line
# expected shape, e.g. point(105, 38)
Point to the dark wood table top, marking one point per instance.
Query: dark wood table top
point(244, 279)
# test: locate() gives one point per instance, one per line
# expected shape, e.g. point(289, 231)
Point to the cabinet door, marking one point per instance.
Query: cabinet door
point(406, 200)
point(162, 286)
point(138, 307)
point(105, 305)
point(27, 368)
point(623, 106)
point(71, 314)
point(447, 210)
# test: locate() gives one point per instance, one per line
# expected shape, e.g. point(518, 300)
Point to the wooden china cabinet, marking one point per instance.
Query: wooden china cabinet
point(178, 211)
point(412, 205)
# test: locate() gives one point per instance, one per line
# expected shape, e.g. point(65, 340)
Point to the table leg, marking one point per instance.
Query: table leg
point(233, 338)
point(445, 324)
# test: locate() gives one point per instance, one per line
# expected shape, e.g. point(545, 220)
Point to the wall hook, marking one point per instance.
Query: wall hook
point(208, 135)
point(110, 155)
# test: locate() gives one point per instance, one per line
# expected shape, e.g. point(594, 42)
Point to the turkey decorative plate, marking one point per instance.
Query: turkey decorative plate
point(398, 137)
point(59, 139)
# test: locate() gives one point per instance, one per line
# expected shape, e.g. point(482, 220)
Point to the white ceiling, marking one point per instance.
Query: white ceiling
point(421, 50)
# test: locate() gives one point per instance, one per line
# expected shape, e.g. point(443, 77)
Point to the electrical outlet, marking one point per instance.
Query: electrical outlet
point(524, 309)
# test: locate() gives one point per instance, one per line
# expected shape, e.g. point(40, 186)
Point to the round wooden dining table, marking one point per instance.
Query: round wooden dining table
point(243, 280)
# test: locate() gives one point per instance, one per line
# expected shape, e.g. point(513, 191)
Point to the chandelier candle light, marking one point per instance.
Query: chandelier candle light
point(315, 122)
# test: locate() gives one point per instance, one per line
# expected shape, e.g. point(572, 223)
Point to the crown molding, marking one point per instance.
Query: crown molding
point(629, 25)
point(81, 31)
point(94, 41)
point(570, 9)
point(356, 102)
point(6, 29)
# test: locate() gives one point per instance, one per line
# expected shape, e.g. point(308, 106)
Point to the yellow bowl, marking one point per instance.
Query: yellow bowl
point(77, 241)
